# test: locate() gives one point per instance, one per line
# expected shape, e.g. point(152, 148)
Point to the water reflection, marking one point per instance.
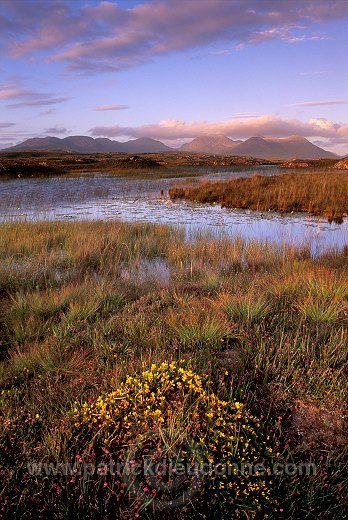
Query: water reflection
point(106, 197)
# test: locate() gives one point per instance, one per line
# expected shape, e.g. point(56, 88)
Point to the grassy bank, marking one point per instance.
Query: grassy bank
point(112, 330)
point(43, 164)
point(324, 193)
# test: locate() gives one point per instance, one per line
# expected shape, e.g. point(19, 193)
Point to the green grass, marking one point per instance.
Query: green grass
point(261, 324)
point(248, 310)
point(318, 311)
point(324, 193)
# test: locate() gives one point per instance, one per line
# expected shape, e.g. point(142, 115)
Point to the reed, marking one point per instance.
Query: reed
point(320, 193)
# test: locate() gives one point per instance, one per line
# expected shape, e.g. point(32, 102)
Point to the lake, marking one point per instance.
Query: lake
point(114, 197)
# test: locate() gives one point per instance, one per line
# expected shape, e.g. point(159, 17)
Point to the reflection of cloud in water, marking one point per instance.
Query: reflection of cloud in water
point(113, 198)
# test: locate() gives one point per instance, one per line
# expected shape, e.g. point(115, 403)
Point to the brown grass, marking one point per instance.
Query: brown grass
point(324, 193)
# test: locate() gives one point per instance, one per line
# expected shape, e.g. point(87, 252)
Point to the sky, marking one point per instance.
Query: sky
point(173, 70)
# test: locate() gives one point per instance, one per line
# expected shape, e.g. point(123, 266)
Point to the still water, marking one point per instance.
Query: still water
point(106, 197)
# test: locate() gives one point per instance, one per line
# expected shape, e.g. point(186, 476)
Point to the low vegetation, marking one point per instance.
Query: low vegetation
point(323, 193)
point(47, 163)
point(132, 343)
point(41, 164)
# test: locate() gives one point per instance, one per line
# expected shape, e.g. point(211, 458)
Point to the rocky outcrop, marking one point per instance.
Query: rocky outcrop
point(342, 165)
point(295, 164)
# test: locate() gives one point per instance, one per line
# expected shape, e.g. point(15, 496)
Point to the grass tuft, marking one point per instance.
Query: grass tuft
point(247, 310)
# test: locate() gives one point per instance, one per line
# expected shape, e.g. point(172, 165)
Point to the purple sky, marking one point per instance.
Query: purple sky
point(174, 69)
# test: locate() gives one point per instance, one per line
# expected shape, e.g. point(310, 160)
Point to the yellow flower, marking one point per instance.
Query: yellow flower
point(224, 429)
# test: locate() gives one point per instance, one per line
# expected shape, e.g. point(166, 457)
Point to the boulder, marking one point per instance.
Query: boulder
point(342, 165)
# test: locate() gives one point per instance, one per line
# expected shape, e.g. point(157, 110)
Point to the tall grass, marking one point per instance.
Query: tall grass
point(324, 193)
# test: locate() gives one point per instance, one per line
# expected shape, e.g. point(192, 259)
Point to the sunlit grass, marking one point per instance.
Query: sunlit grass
point(322, 311)
point(247, 310)
point(324, 193)
point(197, 330)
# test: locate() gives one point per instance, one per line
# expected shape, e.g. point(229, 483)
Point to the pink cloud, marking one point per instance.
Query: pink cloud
point(107, 36)
point(8, 93)
point(319, 103)
point(10, 90)
point(267, 126)
point(111, 107)
point(27, 97)
point(43, 101)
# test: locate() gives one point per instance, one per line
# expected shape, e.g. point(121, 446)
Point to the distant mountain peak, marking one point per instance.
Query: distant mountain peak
point(256, 139)
point(210, 143)
point(142, 140)
point(293, 147)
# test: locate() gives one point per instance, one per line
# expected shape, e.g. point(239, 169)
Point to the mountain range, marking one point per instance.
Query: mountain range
point(293, 147)
point(86, 144)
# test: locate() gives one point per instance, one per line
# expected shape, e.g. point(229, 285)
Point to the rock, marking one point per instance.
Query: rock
point(342, 165)
point(293, 164)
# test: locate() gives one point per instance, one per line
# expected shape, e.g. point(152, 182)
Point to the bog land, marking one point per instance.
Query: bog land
point(130, 342)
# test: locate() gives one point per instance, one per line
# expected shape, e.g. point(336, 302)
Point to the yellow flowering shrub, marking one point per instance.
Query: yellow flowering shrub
point(172, 397)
